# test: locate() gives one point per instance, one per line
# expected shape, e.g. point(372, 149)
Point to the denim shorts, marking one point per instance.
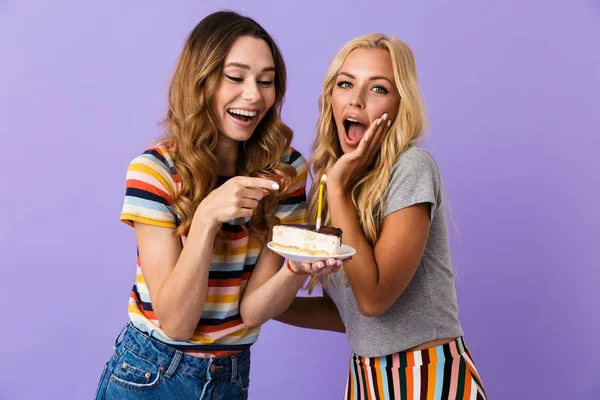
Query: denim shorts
point(145, 368)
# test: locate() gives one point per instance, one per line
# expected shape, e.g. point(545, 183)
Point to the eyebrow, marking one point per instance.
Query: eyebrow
point(373, 78)
point(244, 66)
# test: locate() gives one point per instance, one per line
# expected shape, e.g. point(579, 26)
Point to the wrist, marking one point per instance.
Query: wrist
point(293, 268)
point(204, 218)
point(335, 185)
point(337, 192)
point(204, 225)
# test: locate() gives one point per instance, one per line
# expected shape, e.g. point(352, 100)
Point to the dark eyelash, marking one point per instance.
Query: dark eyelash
point(342, 83)
point(384, 90)
point(266, 83)
point(234, 78)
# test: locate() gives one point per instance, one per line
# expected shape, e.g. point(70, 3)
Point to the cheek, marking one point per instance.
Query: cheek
point(393, 107)
point(337, 105)
point(222, 96)
point(378, 108)
point(269, 96)
point(337, 99)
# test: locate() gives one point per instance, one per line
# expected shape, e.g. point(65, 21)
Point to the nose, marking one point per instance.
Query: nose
point(356, 99)
point(251, 92)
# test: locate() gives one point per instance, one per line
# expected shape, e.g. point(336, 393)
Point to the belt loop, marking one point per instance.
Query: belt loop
point(117, 342)
point(174, 363)
point(234, 367)
point(208, 369)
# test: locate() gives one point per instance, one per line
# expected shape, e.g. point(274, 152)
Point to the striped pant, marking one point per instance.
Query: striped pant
point(438, 373)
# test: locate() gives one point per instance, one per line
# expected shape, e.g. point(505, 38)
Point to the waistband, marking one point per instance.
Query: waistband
point(171, 360)
point(406, 359)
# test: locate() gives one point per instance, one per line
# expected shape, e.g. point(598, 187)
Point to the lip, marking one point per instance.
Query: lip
point(356, 118)
point(240, 123)
point(352, 142)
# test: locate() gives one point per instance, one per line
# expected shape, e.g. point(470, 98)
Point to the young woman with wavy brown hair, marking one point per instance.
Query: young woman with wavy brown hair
point(396, 299)
point(202, 202)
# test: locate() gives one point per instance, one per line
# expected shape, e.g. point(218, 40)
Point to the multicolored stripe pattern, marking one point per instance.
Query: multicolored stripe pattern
point(151, 185)
point(439, 373)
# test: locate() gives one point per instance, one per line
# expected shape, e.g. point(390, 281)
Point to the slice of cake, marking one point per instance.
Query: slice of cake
point(305, 239)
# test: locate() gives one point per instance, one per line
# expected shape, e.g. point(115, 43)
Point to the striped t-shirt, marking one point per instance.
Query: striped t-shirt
point(152, 183)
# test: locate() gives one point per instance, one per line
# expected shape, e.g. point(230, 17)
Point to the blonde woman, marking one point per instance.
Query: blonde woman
point(396, 299)
point(202, 202)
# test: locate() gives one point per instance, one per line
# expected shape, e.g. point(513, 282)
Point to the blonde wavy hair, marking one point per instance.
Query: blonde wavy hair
point(191, 122)
point(368, 189)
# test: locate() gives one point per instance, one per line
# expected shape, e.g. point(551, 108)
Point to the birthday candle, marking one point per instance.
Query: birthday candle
point(320, 201)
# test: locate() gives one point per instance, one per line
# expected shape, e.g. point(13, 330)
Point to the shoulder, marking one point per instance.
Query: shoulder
point(156, 156)
point(414, 169)
point(155, 167)
point(415, 158)
point(293, 157)
point(415, 162)
point(414, 179)
point(158, 159)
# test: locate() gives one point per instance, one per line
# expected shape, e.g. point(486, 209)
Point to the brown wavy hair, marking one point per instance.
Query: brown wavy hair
point(368, 190)
point(191, 122)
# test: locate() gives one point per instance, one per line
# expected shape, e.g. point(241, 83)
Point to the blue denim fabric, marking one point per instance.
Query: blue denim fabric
point(145, 368)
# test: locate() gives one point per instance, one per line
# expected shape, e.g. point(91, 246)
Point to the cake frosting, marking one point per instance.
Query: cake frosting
point(306, 239)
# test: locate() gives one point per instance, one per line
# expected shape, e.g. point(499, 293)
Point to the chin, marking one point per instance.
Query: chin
point(238, 136)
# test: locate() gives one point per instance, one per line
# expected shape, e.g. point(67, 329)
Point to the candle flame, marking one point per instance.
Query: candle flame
point(323, 179)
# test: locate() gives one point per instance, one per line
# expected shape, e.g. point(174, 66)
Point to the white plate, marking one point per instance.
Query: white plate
point(343, 252)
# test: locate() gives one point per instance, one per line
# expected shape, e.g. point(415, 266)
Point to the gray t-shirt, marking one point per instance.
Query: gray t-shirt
point(427, 308)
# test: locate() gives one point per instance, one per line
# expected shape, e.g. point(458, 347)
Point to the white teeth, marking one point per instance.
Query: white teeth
point(351, 120)
point(243, 112)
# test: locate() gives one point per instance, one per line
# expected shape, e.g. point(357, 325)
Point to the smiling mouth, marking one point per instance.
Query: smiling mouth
point(354, 129)
point(242, 115)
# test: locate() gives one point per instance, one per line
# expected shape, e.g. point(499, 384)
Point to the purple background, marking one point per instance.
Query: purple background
point(512, 89)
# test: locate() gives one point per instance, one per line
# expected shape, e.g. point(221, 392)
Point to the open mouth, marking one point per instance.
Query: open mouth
point(242, 115)
point(354, 129)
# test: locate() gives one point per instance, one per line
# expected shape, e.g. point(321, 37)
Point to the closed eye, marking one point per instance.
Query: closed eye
point(234, 78)
point(266, 83)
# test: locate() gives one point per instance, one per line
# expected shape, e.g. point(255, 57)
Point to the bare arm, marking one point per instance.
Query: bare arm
point(177, 279)
point(270, 289)
point(378, 275)
point(313, 313)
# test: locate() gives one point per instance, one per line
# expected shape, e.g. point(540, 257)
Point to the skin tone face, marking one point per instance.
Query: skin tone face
point(246, 90)
point(363, 92)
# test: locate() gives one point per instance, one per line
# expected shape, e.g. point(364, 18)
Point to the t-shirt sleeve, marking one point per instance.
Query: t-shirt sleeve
point(292, 209)
point(415, 179)
point(150, 188)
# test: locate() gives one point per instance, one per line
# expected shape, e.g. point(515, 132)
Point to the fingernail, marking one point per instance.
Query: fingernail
point(378, 121)
point(389, 123)
point(275, 186)
point(366, 138)
point(339, 263)
point(384, 116)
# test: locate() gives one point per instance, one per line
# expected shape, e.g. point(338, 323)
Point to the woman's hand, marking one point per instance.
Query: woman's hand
point(349, 166)
point(318, 268)
point(236, 198)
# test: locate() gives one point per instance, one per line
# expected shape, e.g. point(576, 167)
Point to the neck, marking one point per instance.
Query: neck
point(227, 154)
